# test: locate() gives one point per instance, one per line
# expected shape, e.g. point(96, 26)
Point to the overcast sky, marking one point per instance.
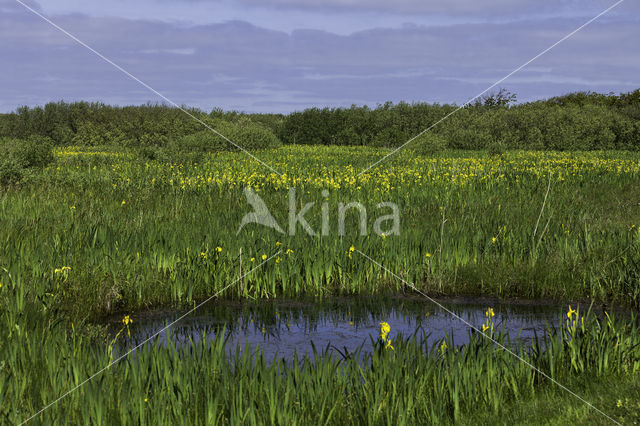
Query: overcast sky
point(284, 55)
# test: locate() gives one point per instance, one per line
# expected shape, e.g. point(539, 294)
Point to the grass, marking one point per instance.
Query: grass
point(139, 234)
point(104, 232)
point(418, 381)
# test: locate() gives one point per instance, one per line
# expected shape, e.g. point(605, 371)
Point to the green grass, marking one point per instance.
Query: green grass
point(478, 217)
point(418, 382)
point(103, 233)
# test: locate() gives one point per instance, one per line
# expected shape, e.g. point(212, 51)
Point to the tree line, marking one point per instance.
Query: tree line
point(576, 121)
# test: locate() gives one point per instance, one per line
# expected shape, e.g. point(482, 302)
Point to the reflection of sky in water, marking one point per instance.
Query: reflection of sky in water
point(282, 329)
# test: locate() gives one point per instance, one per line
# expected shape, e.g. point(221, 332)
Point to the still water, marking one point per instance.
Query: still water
point(281, 329)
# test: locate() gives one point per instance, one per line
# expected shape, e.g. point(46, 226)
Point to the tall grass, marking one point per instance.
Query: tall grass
point(103, 232)
point(418, 381)
point(140, 233)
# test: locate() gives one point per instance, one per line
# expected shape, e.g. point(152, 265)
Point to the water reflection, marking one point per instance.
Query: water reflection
point(284, 328)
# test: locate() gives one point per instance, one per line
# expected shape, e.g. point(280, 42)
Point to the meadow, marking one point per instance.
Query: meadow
point(112, 231)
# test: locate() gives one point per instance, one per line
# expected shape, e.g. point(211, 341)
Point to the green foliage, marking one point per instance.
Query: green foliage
point(17, 156)
point(576, 121)
point(242, 132)
point(11, 172)
point(429, 143)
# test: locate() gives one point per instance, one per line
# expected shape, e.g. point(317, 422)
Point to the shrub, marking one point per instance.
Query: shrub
point(496, 148)
point(244, 133)
point(391, 137)
point(36, 152)
point(429, 143)
point(10, 172)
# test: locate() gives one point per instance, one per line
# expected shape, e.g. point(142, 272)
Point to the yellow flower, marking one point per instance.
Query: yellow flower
point(124, 202)
point(490, 313)
point(278, 243)
point(264, 330)
point(485, 327)
point(350, 322)
point(253, 259)
point(385, 328)
point(427, 255)
point(146, 400)
point(218, 249)
point(443, 346)
point(571, 312)
point(202, 254)
point(264, 257)
point(288, 252)
point(493, 240)
point(619, 403)
point(278, 259)
point(127, 320)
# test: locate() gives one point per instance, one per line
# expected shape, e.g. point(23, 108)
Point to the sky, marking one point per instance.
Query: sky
point(287, 55)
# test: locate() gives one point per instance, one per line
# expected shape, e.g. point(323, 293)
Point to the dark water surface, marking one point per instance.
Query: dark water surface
point(280, 328)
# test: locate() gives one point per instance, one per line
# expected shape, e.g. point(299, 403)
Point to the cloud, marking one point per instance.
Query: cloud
point(486, 8)
point(243, 66)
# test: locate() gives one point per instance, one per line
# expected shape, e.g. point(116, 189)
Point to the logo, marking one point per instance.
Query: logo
point(262, 216)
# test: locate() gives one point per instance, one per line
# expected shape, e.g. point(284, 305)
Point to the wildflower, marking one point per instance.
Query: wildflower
point(253, 259)
point(427, 314)
point(73, 208)
point(203, 255)
point(278, 259)
point(350, 322)
point(385, 328)
point(219, 249)
point(264, 257)
point(351, 250)
point(123, 202)
point(278, 243)
point(264, 330)
point(288, 252)
point(443, 346)
point(493, 240)
point(427, 255)
point(146, 400)
point(62, 270)
point(490, 313)
point(485, 327)
point(127, 320)
point(619, 403)
point(571, 312)
point(383, 235)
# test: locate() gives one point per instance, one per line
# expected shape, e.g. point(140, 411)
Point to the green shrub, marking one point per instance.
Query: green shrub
point(17, 155)
point(203, 141)
point(391, 137)
point(35, 152)
point(496, 147)
point(243, 133)
point(10, 172)
point(429, 143)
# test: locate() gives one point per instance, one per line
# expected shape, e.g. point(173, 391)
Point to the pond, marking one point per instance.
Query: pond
point(282, 328)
